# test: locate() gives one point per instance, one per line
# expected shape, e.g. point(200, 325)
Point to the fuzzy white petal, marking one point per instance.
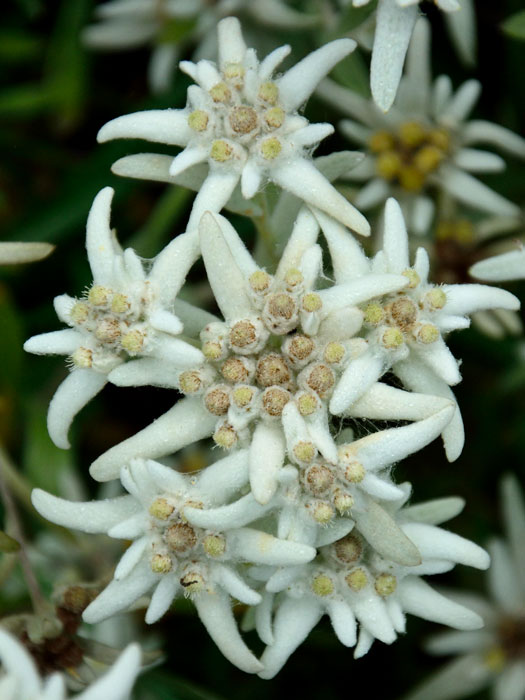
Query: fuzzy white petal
point(262, 548)
point(433, 542)
point(119, 595)
point(385, 536)
point(267, 452)
point(159, 125)
point(420, 599)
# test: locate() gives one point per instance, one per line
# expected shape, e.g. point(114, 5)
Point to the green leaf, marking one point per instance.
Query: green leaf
point(161, 224)
point(8, 544)
point(175, 30)
point(17, 46)
point(24, 100)
point(514, 26)
point(352, 73)
point(11, 340)
point(160, 685)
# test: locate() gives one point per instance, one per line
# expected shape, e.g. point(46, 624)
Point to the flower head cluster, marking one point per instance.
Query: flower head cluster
point(20, 680)
point(244, 124)
point(495, 655)
point(424, 143)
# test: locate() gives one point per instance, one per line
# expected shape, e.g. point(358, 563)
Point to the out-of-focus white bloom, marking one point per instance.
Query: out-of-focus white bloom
point(14, 253)
point(20, 679)
point(271, 366)
point(168, 25)
point(424, 143)
point(501, 268)
point(405, 330)
point(245, 126)
point(127, 313)
point(395, 21)
point(495, 655)
point(172, 557)
point(353, 583)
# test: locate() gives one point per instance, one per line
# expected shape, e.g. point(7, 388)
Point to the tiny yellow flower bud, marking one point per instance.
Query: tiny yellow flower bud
point(374, 313)
point(404, 313)
point(411, 133)
point(98, 295)
point(412, 276)
point(225, 436)
point(242, 333)
point(381, 141)
point(357, 579)
point(271, 148)
point(495, 659)
point(79, 312)
point(388, 164)
point(385, 584)
point(343, 501)
point(427, 333)
point(348, 549)
point(133, 341)
point(322, 585)
point(242, 396)
point(435, 299)
point(212, 350)
point(428, 158)
point(119, 304)
point(411, 179)
point(322, 512)
point(440, 138)
point(304, 451)
point(271, 370)
point(243, 119)
point(334, 352)
point(464, 231)
point(392, 338)
point(193, 582)
point(275, 117)
point(312, 302)
point(190, 381)
point(198, 120)
point(293, 277)
point(214, 545)
point(221, 151)
point(321, 379)
point(161, 509)
point(234, 72)
point(354, 472)
point(281, 306)
point(160, 563)
point(307, 404)
point(300, 347)
point(260, 281)
point(269, 92)
point(220, 93)
point(83, 358)
point(235, 370)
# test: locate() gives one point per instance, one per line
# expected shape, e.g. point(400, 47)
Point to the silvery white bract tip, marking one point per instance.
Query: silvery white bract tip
point(14, 253)
point(426, 141)
point(125, 315)
point(244, 125)
point(485, 658)
point(21, 680)
point(501, 268)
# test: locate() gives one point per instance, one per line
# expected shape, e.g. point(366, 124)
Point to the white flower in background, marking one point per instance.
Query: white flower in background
point(169, 25)
point(353, 582)
point(127, 313)
point(14, 253)
point(245, 125)
point(424, 144)
point(405, 330)
point(495, 655)
point(270, 367)
point(501, 268)
point(171, 557)
point(395, 22)
point(20, 679)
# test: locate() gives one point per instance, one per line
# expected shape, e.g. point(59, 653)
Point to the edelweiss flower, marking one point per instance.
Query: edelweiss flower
point(245, 126)
point(172, 557)
point(125, 314)
point(495, 655)
point(424, 143)
point(501, 268)
point(20, 680)
point(405, 329)
point(281, 343)
point(352, 582)
point(14, 253)
point(169, 24)
point(395, 21)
